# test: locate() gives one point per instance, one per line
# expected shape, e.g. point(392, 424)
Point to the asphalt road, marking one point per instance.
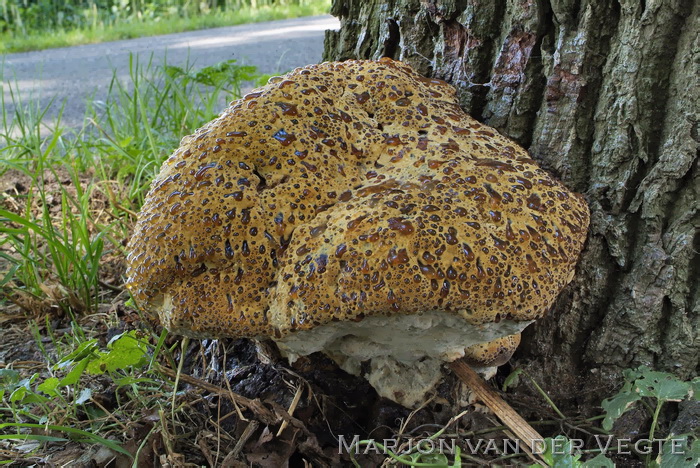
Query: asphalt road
point(75, 74)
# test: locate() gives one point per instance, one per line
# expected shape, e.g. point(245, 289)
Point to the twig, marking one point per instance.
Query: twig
point(522, 430)
point(247, 433)
point(292, 407)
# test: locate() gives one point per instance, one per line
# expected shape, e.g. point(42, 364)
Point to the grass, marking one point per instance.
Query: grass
point(11, 42)
point(69, 200)
point(123, 144)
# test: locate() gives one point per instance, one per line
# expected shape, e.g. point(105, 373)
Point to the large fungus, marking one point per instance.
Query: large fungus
point(354, 208)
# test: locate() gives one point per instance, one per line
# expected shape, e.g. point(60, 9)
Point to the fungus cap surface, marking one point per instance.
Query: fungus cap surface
point(347, 190)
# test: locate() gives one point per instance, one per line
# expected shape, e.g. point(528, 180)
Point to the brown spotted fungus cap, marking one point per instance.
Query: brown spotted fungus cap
point(347, 190)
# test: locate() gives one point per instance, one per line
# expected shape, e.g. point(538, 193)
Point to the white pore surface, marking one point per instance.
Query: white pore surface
point(405, 352)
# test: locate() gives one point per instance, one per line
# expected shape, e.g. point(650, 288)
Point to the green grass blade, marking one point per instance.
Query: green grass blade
point(87, 436)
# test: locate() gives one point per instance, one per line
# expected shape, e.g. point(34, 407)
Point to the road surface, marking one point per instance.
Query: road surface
point(75, 74)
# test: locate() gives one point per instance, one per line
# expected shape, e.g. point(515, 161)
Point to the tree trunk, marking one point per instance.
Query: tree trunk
point(605, 95)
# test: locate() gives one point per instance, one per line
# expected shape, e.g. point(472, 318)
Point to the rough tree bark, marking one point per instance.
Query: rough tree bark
point(605, 95)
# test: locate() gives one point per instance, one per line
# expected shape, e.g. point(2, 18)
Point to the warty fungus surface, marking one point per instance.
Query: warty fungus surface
point(354, 208)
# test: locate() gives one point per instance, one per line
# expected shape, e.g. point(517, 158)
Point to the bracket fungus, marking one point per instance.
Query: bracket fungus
point(353, 208)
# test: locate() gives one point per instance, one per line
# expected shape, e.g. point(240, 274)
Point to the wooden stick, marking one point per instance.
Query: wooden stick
point(522, 430)
point(292, 407)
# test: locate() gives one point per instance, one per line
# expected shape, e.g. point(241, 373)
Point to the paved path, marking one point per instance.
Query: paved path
point(78, 73)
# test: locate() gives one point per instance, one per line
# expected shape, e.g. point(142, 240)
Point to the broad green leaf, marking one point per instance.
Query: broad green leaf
point(128, 340)
point(617, 406)
point(173, 72)
point(48, 386)
point(84, 350)
point(129, 380)
point(124, 142)
point(25, 396)
point(644, 382)
point(437, 459)
point(94, 412)
point(599, 461)
point(9, 378)
point(18, 395)
point(73, 376)
point(661, 385)
point(125, 351)
point(558, 453)
point(679, 454)
point(458, 458)
point(561, 453)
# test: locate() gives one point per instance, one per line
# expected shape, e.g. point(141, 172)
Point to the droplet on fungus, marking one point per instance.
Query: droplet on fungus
point(362, 97)
point(283, 137)
point(403, 226)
